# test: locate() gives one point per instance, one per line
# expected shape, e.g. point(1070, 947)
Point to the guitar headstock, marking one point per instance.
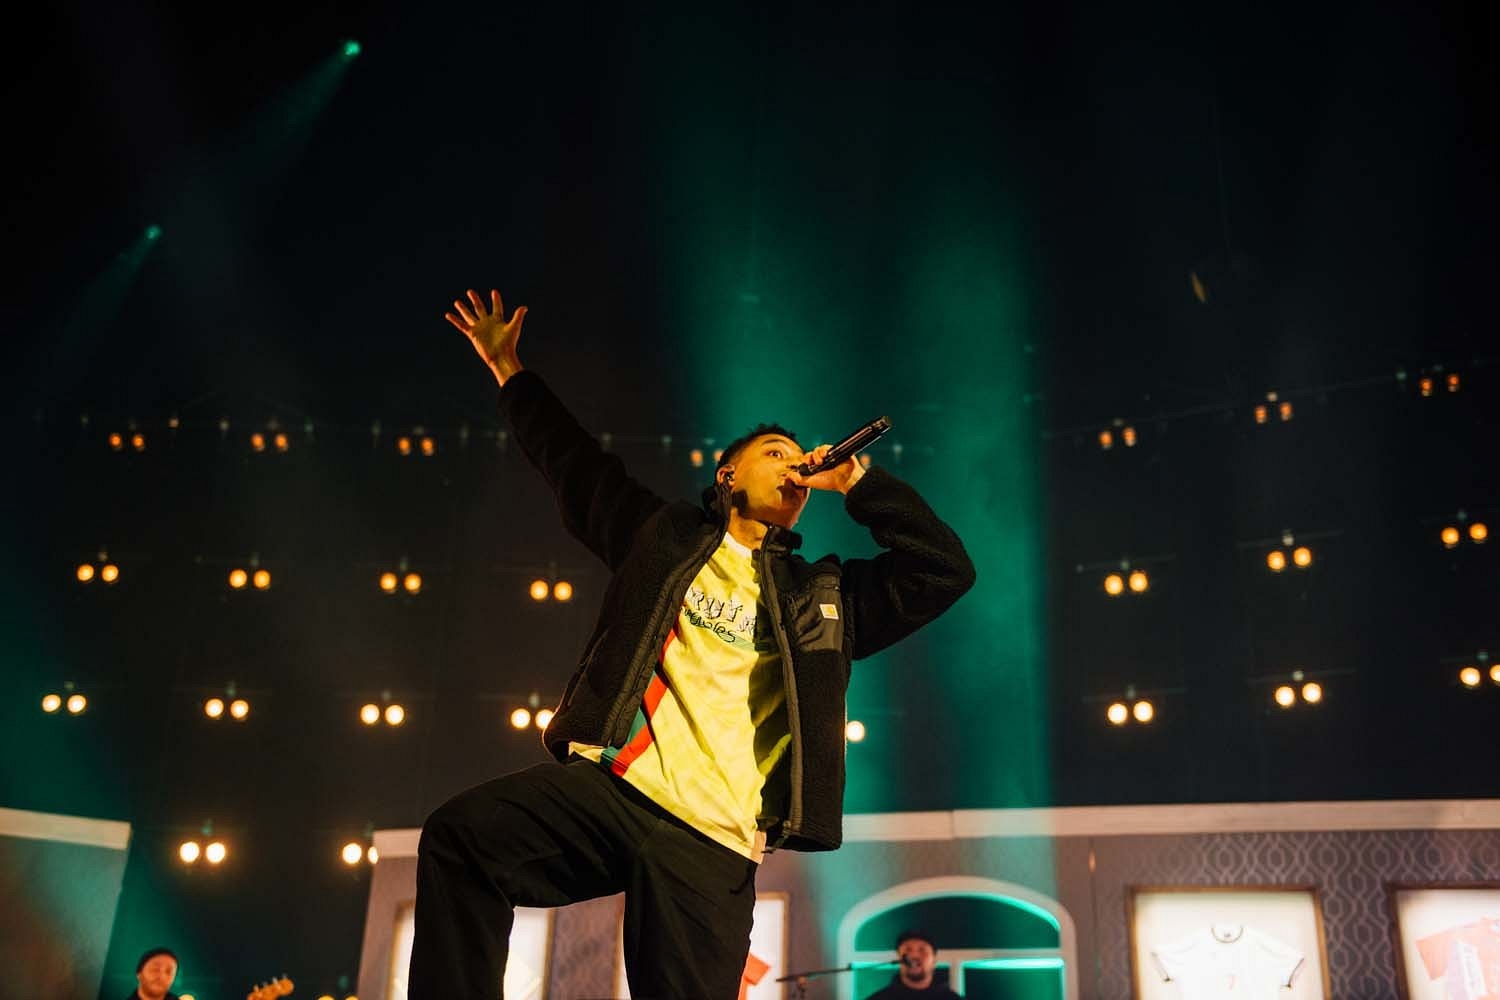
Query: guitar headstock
point(270, 991)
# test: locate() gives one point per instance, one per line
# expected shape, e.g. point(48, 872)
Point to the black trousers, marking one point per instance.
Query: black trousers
point(561, 833)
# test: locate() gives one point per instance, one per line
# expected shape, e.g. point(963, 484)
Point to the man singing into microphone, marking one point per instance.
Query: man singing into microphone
point(917, 977)
point(705, 722)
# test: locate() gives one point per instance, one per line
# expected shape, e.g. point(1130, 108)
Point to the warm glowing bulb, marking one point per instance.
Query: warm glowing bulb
point(116, 442)
point(188, 851)
point(85, 572)
point(1260, 414)
point(1302, 556)
point(696, 457)
point(1478, 531)
point(1453, 382)
point(394, 715)
point(352, 853)
point(1450, 537)
point(1128, 436)
point(51, 703)
point(138, 442)
point(1139, 582)
point(1276, 559)
point(237, 578)
point(262, 579)
point(239, 708)
point(403, 445)
point(77, 703)
point(1118, 714)
point(369, 714)
point(372, 855)
point(1426, 386)
point(413, 583)
point(543, 718)
point(215, 852)
point(563, 590)
point(1285, 696)
point(213, 707)
point(1470, 677)
point(539, 590)
point(1285, 409)
point(429, 447)
point(1106, 440)
point(520, 718)
point(1495, 673)
point(854, 731)
point(388, 582)
point(1312, 692)
point(1144, 711)
point(110, 573)
point(258, 441)
point(283, 444)
point(1114, 585)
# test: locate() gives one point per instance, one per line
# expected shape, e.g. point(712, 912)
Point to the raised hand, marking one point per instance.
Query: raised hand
point(493, 338)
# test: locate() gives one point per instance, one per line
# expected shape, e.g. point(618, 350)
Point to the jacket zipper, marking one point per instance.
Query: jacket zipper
point(646, 656)
point(793, 822)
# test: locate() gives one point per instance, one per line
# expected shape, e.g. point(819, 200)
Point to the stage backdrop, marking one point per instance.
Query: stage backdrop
point(60, 880)
point(1049, 904)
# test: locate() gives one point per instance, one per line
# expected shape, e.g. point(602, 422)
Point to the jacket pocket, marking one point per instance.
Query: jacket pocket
point(818, 613)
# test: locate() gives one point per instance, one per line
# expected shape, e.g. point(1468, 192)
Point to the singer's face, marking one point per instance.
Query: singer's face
point(761, 489)
point(918, 961)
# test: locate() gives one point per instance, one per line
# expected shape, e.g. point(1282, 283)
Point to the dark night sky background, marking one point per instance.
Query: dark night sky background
point(1327, 170)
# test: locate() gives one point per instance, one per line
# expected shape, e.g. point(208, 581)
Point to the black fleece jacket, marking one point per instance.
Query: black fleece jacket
point(824, 614)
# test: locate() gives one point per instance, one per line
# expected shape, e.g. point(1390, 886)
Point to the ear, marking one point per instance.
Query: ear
point(726, 474)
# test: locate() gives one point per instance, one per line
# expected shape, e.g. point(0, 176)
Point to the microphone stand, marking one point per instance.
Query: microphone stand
point(799, 979)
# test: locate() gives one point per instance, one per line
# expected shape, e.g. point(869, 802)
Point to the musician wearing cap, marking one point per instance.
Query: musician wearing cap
point(704, 725)
point(917, 976)
point(154, 974)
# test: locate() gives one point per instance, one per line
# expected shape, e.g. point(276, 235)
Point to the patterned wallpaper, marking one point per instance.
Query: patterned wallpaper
point(1349, 869)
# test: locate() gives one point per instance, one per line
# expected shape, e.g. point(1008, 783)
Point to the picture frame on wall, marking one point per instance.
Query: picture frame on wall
point(1446, 938)
point(1190, 941)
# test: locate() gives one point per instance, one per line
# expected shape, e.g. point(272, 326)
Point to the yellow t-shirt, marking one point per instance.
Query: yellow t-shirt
point(713, 724)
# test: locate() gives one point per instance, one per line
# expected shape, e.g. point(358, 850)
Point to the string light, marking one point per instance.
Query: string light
point(543, 718)
point(395, 715)
point(1302, 556)
point(854, 731)
point(213, 708)
point(85, 572)
point(1479, 532)
point(520, 718)
point(1276, 560)
point(51, 703)
point(413, 583)
point(1143, 711)
point(562, 590)
point(539, 590)
point(1139, 583)
point(1286, 696)
point(369, 714)
point(262, 579)
point(1114, 585)
point(1118, 714)
point(215, 852)
point(109, 573)
point(1128, 436)
point(189, 851)
point(239, 709)
point(238, 578)
point(388, 582)
point(1106, 440)
point(76, 704)
point(1470, 677)
point(352, 853)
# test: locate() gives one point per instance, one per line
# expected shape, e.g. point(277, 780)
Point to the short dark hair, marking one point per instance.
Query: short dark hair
point(913, 934)
point(732, 449)
point(152, 953)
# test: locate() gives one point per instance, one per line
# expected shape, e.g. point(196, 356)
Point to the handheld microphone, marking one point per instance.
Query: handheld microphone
point(856, 442)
